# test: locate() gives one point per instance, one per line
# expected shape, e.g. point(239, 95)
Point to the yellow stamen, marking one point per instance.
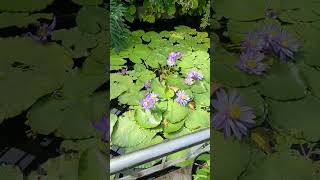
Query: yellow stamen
point(235, 111)
point(183, 96)
point(251, 63)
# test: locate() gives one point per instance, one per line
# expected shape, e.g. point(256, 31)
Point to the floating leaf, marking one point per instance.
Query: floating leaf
point(281, 166)
point(88, 2)
point(311, 75)
point(127, 133)
point(240, 10)
point(198, 119)
point(77, 42)
point(8, 19)
point(175, 112)
point(29, 71)
point(92, 19)
point(172, 127)
point(92, 164)
point(299, 117)
point(10, 172)
point(26, 6)
point(229, 153)
point(70, 119)
point(119, 84)
point(78, 84)
point(146, 119)
point(282, 77)
point(64, 167)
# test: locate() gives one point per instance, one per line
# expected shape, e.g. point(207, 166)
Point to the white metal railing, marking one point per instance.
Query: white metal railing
point(127, 161)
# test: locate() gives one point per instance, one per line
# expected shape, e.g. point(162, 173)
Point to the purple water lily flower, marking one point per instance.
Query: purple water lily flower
point(254, 41)
point(194, 74)
point(188, 81)
point(171, 61)
point(44, 32)
point(270, 33)
point(233, 115)
point(147, 84)
point(178, 55)
point(251, 62)
point(152, 96)
point(149, 101)
point(182, 98)
point(172, 58)
point(285, 45)
point(103, 127)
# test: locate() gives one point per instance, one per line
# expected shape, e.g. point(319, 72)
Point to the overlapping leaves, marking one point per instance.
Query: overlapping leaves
point(284, 98)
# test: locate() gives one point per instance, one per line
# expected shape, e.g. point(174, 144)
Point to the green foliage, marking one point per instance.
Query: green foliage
point(118, 29)
point(45, 80)
point(23, 6)
point(203, 171)
point(80, 160)
point(285, 98)
point(137, 128)
point(10, 172)
point(28, 73)
point(88, 2)
point(9, 19)
point(151, 10)
point(76, 41)
point(69, 118)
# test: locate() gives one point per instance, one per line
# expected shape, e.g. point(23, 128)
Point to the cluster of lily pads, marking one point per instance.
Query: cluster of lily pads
point(43, 86)
point(264, 90)
point(165, 88)
point(233, 114)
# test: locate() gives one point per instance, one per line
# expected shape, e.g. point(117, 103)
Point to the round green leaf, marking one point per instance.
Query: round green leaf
point(119, 84)
point(92, 19)
point(198, 119)
point(26, 6)
point(127, 133)
point(175, 112)
point(299, 117)
point(88, 2)
point(173, 127)
point(10, 172)
point(92, 165)
point(282, 166)
point(147, 119)
point(283, 83)
point(29, 71)
point(229, 153)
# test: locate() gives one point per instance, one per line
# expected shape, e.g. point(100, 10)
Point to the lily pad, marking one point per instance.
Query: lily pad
point(119, 84)
point(29, 71)
point(10, 172)
point(88, 2)
point(92, 19)
point(127, 133)
point(299, 117)
point(146, 119)
point(69, 118)
point(282, 166)
point(229, 153)
point(198, 119)
point(8, 19)
point(284, 82)
point(23, 6)
point(175, 112)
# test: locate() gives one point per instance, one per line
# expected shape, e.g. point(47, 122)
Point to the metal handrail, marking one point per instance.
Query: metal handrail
point(127, 161)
